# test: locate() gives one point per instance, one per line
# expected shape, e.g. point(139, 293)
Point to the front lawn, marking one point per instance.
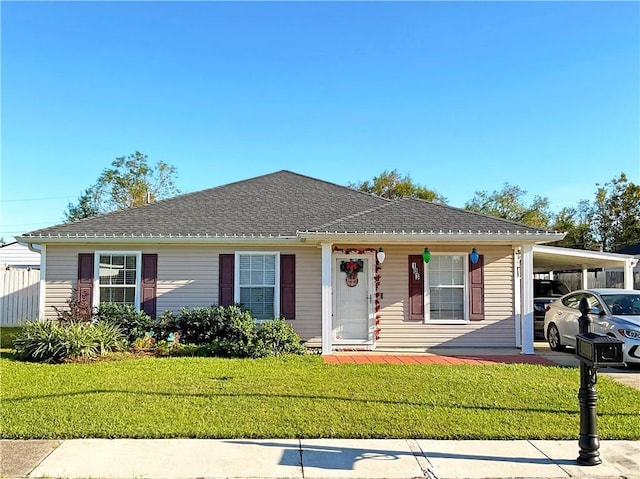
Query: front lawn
point(300, 397)
point(7, 336)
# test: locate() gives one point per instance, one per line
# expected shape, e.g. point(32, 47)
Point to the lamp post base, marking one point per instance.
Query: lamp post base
point(589, 458)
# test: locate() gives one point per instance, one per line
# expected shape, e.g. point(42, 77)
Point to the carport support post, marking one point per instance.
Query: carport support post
point(527, 300)
point(588, 397)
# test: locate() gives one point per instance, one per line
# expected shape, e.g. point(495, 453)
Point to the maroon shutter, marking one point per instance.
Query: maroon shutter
point(416, 287)
point(85, 279)
point(476, 290)
point(149, 284)
point(225, 279)
point(288, 286)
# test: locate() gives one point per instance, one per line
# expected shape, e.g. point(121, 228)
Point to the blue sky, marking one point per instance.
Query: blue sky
point(461, 96)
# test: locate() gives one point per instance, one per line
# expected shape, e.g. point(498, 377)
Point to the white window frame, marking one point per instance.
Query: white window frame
point(465, 292)
point(236, 278)
point(96, 273)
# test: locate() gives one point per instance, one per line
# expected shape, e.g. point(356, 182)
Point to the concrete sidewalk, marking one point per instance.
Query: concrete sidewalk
point(312, 458)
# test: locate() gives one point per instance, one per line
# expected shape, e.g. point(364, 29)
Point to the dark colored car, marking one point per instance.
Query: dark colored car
point(545, 292)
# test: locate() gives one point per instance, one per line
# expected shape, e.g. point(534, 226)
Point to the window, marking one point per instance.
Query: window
point(118, 278)
point(258, 283)
point(573, 301)
point(445, 288)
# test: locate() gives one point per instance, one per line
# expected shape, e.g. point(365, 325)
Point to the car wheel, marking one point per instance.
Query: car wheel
point(553, 336)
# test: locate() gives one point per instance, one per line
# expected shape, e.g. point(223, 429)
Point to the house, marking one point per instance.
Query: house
point(347, 269)
point(634, 250)
point(17, 255)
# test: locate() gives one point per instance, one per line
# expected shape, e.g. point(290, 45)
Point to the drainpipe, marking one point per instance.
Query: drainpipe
point(43, 274)
point(35, 250)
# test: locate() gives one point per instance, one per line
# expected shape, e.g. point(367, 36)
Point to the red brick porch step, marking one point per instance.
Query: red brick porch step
point(390, 358)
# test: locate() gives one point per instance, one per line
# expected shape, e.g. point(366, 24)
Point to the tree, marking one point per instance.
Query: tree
point(617, 214)
point(508, 204)
point(130, 182)
point(389, 184)
point(86, 207)
point(577, 223)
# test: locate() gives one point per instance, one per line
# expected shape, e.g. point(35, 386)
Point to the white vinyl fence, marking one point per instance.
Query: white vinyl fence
point(20, 298)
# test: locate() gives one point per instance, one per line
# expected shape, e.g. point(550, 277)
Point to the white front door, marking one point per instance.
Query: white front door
point(352, 300)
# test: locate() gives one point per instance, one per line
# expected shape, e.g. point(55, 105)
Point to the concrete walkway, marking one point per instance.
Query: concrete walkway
point(312, 458)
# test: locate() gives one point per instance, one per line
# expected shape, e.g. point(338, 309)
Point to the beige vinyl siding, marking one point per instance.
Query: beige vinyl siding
point(497, 330)
point(61, 276)
point(188, 277)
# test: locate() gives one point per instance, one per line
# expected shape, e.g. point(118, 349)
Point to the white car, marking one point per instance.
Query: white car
point(614, 312)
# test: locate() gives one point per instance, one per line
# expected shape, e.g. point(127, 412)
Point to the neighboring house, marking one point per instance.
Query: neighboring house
point(17, 255)
point(634, 250)
point(288, 245)
point(19, 289)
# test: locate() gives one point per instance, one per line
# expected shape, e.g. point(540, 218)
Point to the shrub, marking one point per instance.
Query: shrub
point(53, 342)
point(165, 325)
point(76, 311)
point(41, 341)
point(227, 331)
point(235, 333)
point(145, 343)
point(133, 323)
point(108, 337)
point(201, 325)
point(277, 337)
point(78, 340)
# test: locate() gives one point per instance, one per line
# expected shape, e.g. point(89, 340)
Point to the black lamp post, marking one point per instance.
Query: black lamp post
point(587, 396)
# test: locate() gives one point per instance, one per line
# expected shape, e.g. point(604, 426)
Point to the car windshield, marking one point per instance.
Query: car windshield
point(624, 304)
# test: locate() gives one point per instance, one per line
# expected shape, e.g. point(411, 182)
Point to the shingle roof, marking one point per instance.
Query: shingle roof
point(279, 204)
point(633, 249)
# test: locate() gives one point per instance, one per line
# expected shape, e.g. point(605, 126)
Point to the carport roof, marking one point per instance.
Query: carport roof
point(551, 258)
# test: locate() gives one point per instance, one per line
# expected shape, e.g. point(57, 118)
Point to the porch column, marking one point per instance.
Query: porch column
point(517, 295)
point(585, 277)
point(527, 300)
point(628, 273)
point(327, 347)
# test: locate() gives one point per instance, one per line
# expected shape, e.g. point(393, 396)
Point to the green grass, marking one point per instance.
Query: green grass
point(7, 335)
point(300, 397)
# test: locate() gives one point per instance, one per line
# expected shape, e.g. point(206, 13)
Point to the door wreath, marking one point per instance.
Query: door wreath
point(352, 268)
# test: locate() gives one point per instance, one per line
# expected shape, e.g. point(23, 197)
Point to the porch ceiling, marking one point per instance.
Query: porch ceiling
point(550, 258)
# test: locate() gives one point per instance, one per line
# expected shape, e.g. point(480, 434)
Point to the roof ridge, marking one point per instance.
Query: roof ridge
point(495, 218)
point(360, 213)
point(344, 187)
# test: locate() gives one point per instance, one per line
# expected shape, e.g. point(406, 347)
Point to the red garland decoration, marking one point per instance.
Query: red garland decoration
point(376, 279)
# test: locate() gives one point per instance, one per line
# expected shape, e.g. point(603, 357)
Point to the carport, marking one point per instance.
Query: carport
point(542, 259)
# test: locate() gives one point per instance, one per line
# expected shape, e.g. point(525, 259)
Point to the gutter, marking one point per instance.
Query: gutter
point(157, 239)
point(407, 237)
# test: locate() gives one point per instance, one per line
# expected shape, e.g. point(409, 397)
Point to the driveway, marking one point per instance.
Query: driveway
point(630, 377)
